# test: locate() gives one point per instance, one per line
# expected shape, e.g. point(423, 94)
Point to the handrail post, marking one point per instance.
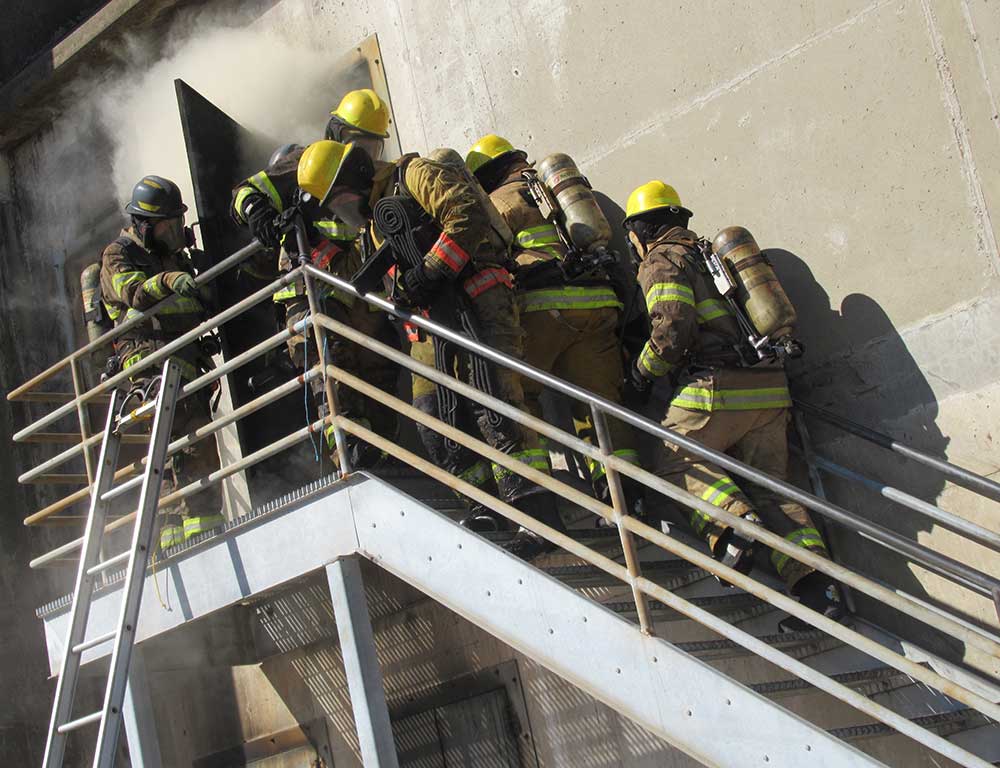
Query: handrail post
point(331, 394)
point(84, 417)
point(621, 510)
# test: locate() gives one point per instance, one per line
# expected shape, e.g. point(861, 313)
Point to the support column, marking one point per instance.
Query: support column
point(364, 676)
point(138, 717)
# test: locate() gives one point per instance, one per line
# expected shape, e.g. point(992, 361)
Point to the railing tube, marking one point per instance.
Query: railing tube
point(165, 351)
point(929, 558)
point(621, 509)
point(207, 276)
point(959, 475)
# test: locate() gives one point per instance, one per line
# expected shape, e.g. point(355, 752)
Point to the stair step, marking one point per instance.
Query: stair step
point(736, 607)
point(944, 724)
point(869, 682)
point(671, 574)
point(795, 644)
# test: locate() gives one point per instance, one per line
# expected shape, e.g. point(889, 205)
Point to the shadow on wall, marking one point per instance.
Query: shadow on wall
point(858, 366)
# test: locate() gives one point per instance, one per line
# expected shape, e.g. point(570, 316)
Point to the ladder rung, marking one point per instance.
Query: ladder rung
point(72, 725)
point(86, 645)
point(109, 563)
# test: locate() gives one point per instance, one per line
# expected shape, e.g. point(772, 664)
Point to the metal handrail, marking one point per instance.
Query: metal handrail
point(630, 574)
point(935, 561)
point(959, 475)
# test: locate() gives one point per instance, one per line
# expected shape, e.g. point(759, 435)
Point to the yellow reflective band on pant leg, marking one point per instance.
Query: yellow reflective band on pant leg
point(659, 292)
point(536, 458)
point(652, 363)
point(807, 538)
point(598, 470)
point(718, 493)
point(479, 474)
point(195, 525)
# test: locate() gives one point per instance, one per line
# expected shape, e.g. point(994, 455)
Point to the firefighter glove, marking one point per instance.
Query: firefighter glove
point(261, 217)
point(181, 283)
point(420, 288)
point(637, 389)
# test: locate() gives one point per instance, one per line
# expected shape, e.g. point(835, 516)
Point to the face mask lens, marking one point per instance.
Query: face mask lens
point(371, 145)
point(348, 206)
point(170, 234)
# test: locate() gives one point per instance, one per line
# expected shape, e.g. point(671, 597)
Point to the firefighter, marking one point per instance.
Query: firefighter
point(716, 400)
point(464, 251)
point(258, 200)
point(570, 328)
point(146, 263)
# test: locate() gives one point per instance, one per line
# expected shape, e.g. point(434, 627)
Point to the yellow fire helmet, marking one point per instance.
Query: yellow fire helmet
point(319, 165)
point(365, 111)
point(488, 148)
point(652, 196)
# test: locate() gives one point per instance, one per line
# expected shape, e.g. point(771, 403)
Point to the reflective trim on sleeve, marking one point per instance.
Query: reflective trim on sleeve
point(263, 184)
point(121, 280)
point(336, 230)
point(449, 253)
point(183, 305)
point(155, 287)
point(652, 363)
point(660, 292)
point(712, 309)
point(485, 279)
point(241, 197)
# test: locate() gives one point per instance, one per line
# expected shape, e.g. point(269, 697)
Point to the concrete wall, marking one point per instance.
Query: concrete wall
point(859, 142)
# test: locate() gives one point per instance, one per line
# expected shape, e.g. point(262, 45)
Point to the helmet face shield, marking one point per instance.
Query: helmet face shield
point(347, 197)
point(169, 234)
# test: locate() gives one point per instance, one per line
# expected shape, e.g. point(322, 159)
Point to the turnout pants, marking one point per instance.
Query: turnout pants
point(352, 357)
point(497, 317)
point(758, 438)
point(580, 346)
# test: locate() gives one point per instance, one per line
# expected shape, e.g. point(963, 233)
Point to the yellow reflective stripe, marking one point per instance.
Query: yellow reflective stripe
point(569, 297)
point(660, 292)
point(121, 280)
point(700, 521)
point(652, 363)
point(195, 525)
point(183, 306)
point(132, 313)
point(113, 310)
point(132, 360)
point(720, 491)
point(336, 230)
point(188, 371)
point(241, 196)
point(536, 458)
point(154, 287)
point(285, 294)
point(699, 399)
point(711, 309)
point(478, 474)
point(538, 237)
point(264, 186)
point(598, 470)
point(807, 538)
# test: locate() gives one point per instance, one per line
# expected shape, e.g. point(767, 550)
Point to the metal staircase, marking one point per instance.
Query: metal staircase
point(633, 615)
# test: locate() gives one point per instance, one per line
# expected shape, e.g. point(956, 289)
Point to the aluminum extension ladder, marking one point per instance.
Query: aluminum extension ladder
point(91, 567)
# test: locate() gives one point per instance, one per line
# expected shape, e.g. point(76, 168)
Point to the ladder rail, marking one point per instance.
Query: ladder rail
point(55, 744)
point(142, 537)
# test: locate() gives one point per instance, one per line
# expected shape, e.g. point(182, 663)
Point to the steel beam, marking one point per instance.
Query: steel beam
point(364, 675)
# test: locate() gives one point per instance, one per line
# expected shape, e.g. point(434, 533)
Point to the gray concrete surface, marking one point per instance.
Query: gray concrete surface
point(860, 142)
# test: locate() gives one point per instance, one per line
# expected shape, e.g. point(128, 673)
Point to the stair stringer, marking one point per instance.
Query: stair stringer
point(679, 698)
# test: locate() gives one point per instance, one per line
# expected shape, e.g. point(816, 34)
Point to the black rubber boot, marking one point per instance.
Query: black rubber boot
point(482, 519)
point(819, 592)
point(526, 544)
point(735, 551)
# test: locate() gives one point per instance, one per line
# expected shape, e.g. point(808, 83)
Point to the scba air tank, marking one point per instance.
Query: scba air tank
point(585, 222)
point(90, 291)
point(758, 289)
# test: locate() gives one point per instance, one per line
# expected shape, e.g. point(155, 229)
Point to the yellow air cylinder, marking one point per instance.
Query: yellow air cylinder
point(758, 289)
point(90, 290)
point(585, 222)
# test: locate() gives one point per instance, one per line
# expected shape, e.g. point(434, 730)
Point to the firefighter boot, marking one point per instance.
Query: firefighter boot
point(819, 592)
point(735, 551)
point(526, 544)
